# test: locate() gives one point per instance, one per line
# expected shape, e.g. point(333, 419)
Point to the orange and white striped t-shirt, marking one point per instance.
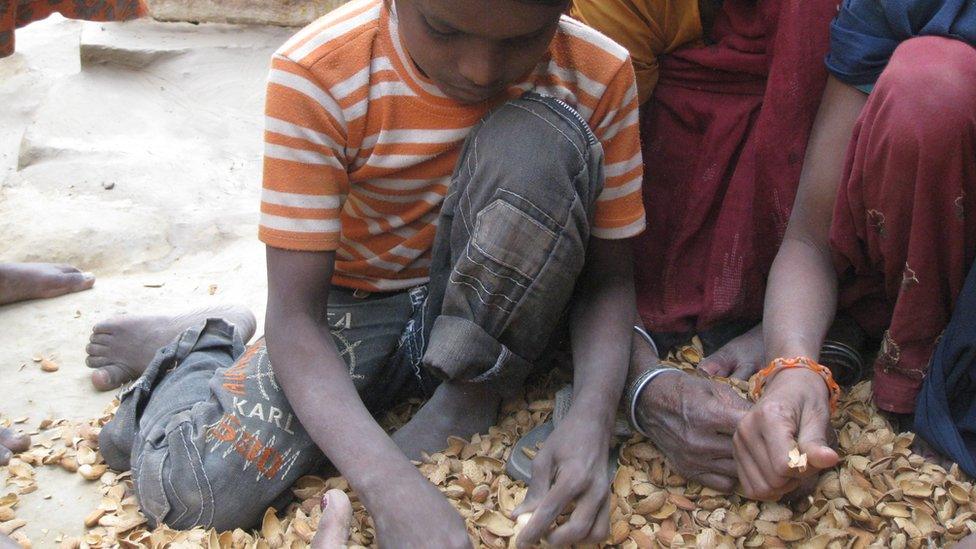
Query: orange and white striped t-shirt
point(360, 147)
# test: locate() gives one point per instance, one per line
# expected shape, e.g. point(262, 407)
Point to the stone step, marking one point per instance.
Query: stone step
point(139, 43)
point(293, 13)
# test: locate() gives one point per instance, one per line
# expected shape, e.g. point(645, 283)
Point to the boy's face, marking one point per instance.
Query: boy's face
point(473, 49)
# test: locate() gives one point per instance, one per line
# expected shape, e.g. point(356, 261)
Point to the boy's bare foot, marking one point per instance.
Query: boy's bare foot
point(12, 443)
point(333, 530)
point(458, 409)
point(23, 281)
point(121, 347)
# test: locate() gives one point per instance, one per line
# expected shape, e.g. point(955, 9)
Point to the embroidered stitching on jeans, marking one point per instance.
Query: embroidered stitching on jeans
point(544, 214)
point(203, 471)
point(478, 293)
point(137, 471)
point(183, 507)
point(484, 266)
point(528, 217)
point(195, 479)
point(496, 369)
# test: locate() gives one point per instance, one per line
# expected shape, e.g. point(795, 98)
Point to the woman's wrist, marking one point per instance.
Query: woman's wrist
point(759, 382)
point(798, 381)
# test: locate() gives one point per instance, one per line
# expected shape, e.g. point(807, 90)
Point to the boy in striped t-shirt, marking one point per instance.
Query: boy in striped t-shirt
point(391, 277)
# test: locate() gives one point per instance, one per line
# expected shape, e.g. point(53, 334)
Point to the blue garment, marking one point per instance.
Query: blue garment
point(866, 32)
point(945, 413)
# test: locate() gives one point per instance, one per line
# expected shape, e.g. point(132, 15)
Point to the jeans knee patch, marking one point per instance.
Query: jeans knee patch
point(506, 252)
point(512, 238)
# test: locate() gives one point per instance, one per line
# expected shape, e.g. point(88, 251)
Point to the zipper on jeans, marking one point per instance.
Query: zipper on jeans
point(590, 137)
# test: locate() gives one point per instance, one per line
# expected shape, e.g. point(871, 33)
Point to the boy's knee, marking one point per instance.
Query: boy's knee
point(540, 142)
point(180, 482)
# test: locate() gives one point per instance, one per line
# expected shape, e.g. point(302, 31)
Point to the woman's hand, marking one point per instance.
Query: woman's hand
point(794, 411)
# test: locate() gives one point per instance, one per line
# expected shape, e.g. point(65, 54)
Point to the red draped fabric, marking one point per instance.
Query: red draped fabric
point(724, 137)
point(17, 13)
point(904, 226)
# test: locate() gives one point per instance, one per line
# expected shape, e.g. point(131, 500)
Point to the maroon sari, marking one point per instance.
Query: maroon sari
point(904, 229)
point(724, 138)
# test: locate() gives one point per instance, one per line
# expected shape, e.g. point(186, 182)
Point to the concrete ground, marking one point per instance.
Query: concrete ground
point(133, 151)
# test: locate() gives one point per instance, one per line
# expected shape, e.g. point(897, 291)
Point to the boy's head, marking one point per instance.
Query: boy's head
point(473, 49)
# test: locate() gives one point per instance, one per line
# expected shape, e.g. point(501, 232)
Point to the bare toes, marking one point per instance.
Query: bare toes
point(105, 327)
point(101, 338)
point(67, 283)
point(96, 349)
point(107, 378)
point(333, 529)
point(97, 361)
point(78, 281)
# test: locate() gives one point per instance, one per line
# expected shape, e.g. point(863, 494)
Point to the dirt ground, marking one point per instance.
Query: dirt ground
point(133, 151)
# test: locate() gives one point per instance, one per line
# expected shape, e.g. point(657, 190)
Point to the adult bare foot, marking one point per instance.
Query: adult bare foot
point(23, 281)
point(458, 409)
point(122, 347)
point(12, 443)
point(333, 530)
point(739, 358)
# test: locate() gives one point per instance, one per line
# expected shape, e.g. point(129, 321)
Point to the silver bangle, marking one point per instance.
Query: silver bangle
point(633, 394)
point(647, 339)
point(635, 389)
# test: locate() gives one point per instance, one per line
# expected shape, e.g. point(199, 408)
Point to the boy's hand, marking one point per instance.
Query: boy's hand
point(793, 412)
point(571, 467)
point(414, 514)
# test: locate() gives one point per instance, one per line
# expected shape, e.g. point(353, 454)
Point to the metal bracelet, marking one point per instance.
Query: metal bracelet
point(647, 339)
point(635, 389)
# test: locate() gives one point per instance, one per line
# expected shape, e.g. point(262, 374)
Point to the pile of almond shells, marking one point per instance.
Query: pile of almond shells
point(881, 495)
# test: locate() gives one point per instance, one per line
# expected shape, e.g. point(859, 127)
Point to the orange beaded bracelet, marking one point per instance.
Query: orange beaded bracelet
point(758, 381)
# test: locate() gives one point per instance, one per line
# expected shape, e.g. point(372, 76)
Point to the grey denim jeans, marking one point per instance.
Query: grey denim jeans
point(207, 431)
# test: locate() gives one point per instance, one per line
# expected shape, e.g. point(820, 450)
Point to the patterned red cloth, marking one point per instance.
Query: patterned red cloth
point(17, 13)
point(904, 232)
point(724, 138)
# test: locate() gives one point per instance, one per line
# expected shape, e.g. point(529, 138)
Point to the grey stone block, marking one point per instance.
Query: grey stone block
point(265, 12)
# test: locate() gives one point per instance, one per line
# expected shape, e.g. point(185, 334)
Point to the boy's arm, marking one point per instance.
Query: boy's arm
point(578, 450)
point(321, 392)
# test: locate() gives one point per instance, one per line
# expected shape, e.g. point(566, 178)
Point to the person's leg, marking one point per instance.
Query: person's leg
point(511, 242)
point(904, 233)
point(209, 435)
point(121, 347)
point(25, 281)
